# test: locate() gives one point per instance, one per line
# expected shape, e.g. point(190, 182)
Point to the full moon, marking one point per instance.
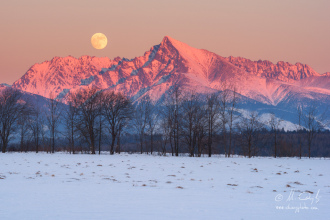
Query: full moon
point(99, 41)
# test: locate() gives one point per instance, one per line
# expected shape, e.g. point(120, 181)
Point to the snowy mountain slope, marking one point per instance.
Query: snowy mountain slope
point(282, 71)
point(173, 63)
point(60, 73)
point(318, 83)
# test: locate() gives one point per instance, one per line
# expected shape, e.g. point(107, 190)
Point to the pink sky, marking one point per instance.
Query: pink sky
point(37, 30)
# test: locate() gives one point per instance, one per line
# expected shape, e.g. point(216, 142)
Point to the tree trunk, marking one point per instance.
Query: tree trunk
point(72, 139)
point(152, 143)
point(209, 142)
point(299, 149)
point(164, 148)
point(141, 144)
point(230, 131)
point(275, 145)
point(53, 142)
point(249, 149)
point(92, 144)
point(225, 143)
point(112, 144)
point(37, 144)
point(177, 142)
point(171, 144)
point(22, 141)
point(4, 148)
point(100, 137)
point(118, 144)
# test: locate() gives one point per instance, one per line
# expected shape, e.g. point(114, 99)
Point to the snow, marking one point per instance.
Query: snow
point(151, 56)
point(62, 94)
point(5, 85)
point(265, 118)
point(132, 186)
point(163, 79)
point(286, 125)
point(60, 73)
point(87, 81)
point(134, 72)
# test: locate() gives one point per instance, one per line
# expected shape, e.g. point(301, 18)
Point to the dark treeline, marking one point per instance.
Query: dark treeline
point(184, 123)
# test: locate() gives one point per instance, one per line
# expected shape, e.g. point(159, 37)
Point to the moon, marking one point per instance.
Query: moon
point(99, 41)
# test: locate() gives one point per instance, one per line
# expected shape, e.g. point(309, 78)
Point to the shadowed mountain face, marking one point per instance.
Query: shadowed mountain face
point(173, 63)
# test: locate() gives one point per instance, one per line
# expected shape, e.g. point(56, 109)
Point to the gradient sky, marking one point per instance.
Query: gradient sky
point(33, 31)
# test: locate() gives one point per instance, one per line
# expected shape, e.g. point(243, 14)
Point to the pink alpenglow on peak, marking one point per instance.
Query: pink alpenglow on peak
point(173, 63)
point(60, 73)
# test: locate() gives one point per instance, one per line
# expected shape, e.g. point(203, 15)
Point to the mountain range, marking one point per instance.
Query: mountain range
point(263, 85)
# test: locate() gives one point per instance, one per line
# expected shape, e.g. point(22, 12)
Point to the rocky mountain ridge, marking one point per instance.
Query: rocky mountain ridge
point(173, 63)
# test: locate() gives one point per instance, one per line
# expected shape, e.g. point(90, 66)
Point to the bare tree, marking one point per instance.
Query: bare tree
point(44, 143)
point(313, 121)
point(175, 100)
point(167, 115)
point(88, 113)
point(223, 112)
point(117, 111)
point(212, 113)
point(151, 116)
point(36, 122)
point(274, 124)
point(172, 116)
point(23, 126)
point(232, 117)
point(23, 130)
point(70, 117)
point(299, 128)
point(140, 121)
point(101, 119)
point(53, 118)
point(200, 131)
point(120, 131)
point(165, 132)
point(11, 108)
point(249, 129)
point(191, 109)
point(100, 129)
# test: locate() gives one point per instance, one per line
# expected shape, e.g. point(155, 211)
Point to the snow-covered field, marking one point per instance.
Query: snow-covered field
point(64, 186)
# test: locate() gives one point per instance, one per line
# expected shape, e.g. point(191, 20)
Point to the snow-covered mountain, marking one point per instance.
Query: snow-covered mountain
point(61, 73)
point(173, 63)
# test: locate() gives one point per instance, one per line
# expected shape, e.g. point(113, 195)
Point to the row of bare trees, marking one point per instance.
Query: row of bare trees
point(10, 111)
point(185, 122)
point(91, 112)
point(198, 124)
point(87, 114)
point(193, 122)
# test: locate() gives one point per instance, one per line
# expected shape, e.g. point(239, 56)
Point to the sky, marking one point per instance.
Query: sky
point(277, 30)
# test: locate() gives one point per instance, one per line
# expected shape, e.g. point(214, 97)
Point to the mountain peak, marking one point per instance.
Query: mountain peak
point(186, 52)
point(171, 42)
point(168, 39)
